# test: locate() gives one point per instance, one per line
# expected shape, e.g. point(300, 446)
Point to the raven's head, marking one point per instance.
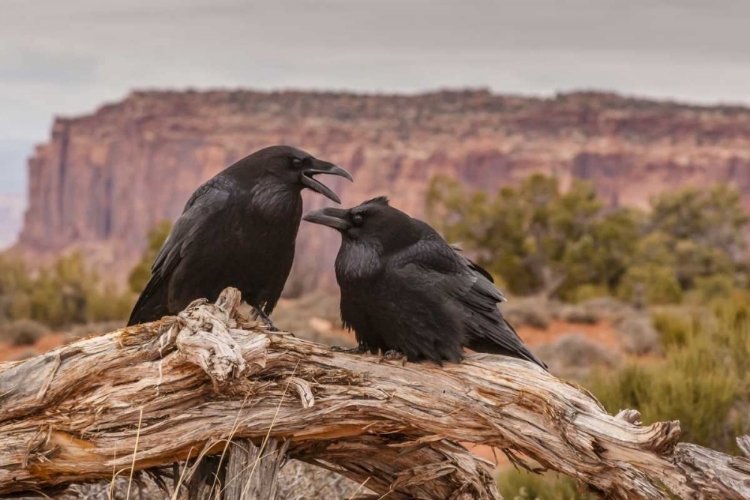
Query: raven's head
point(373, 223)
point(295, 168)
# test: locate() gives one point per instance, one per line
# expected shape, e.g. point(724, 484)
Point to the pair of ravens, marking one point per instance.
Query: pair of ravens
point(403, 288)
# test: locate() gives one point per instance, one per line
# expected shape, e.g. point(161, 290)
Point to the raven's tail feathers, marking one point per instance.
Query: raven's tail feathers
point(151, 305)
point(521, 352)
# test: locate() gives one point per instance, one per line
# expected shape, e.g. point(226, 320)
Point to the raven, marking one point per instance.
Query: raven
point(238, 229)
point(404, 289)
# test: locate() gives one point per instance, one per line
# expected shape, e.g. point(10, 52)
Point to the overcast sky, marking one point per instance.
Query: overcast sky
point(67, 57)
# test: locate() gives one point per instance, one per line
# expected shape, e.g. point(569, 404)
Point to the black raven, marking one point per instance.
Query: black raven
point(404, 289)
point(238, 229)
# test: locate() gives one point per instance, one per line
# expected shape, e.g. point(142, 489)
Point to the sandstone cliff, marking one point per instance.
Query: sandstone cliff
point(103, 180)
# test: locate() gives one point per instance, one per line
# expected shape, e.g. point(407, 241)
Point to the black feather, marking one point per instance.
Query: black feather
point(238, 229)
point(404, 288)
point(378, 200)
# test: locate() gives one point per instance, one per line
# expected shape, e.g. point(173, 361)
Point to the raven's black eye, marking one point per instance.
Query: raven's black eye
point(296, 163)
point(357, 219)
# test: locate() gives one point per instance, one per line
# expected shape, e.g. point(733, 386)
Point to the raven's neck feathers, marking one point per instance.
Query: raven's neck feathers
point(356, 260)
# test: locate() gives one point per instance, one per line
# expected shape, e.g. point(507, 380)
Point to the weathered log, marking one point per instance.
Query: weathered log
point(153, 394)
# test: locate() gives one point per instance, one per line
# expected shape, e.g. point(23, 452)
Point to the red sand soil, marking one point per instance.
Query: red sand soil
point(602, 333)
point(44, 344)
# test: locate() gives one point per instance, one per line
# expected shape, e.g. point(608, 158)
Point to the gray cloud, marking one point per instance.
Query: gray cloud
point(69, 57)
point(34, 66)
point(13, 177)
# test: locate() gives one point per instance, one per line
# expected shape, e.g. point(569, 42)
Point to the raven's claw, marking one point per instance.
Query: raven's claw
point(392, 355)
point(265, 319)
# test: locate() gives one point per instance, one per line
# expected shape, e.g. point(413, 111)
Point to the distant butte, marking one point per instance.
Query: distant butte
point(103, 180)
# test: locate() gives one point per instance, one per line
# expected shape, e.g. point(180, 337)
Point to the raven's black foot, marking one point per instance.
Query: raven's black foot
point(354, 350)
point(393, 355)
point(265, 319)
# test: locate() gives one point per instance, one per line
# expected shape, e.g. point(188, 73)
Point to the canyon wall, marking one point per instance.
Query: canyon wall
point(102, 181)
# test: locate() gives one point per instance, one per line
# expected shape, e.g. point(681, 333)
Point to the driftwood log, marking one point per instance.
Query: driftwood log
point(150, 395)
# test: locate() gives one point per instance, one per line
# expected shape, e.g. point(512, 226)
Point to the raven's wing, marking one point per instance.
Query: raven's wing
point(473, 265)
point(205, 201)
point(438, 269)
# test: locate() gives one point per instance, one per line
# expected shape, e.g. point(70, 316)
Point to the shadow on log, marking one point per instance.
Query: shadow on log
point(154, 394)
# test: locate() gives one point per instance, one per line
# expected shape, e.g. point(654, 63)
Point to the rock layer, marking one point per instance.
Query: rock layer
point(103, 180)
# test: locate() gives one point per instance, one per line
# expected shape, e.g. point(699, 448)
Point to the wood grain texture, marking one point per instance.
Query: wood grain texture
point(252, 470)
point(209, 375)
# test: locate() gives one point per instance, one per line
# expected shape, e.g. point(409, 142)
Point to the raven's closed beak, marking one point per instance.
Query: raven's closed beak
point(336, 218)
point(322, 167)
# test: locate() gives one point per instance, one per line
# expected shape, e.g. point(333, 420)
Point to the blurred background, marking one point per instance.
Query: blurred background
point(593, 155)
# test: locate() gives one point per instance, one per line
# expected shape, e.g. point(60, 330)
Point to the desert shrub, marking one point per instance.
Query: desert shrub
point(537, 238)
point(62, 294)
point(733, 308)
point(692, 243)
point(45, 300)
point(710, 288)
point(14, 285)
point(141, 273)
point(730, 333)
point(607, 308)
point(570, 246)
point(531, 311)
point(22, 332)
point(521, 485)
point(14, 305)
point(588, 292)
point(711, 217)
point(67, 293)
point(577, 313)
point(638, 335)
point(574, 356)
point(108, 304)
point(650, 284)
point(685, 389)
point(702, 382)
point(675, 330)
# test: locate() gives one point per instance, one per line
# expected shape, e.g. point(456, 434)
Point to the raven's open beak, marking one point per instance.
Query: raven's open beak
point(336, 218)
point(322, 167)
